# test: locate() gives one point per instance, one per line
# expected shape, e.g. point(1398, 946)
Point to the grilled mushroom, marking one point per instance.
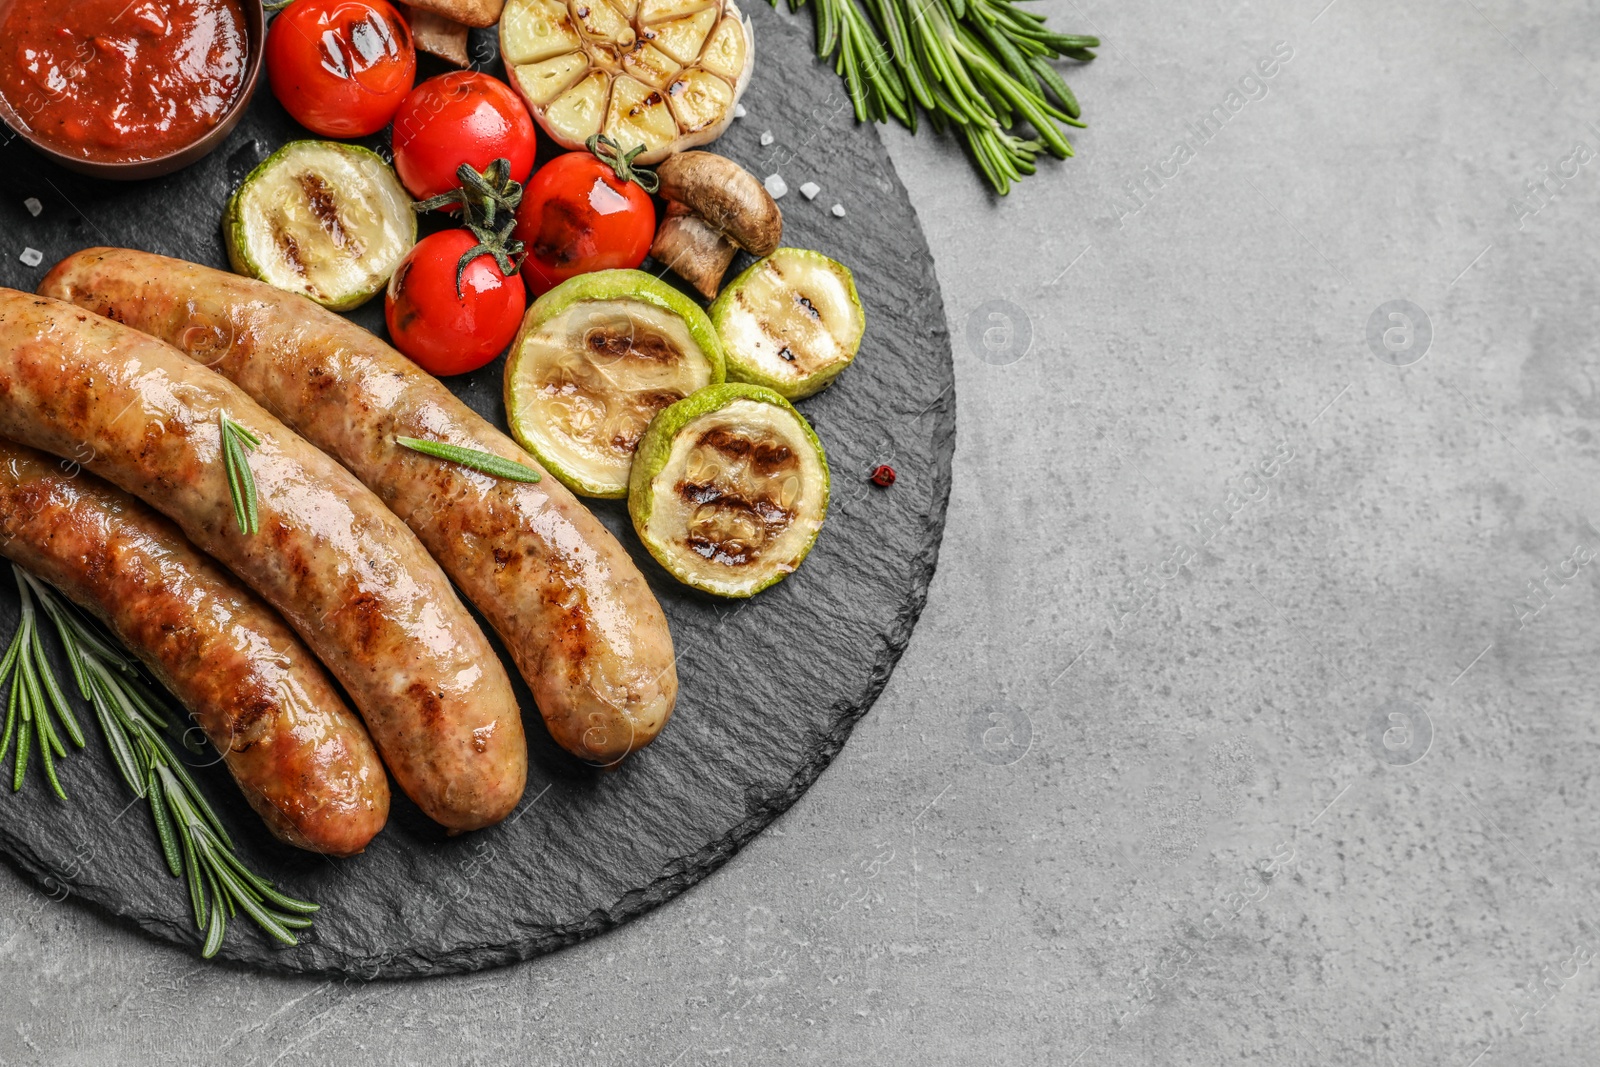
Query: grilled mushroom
point(714, 208)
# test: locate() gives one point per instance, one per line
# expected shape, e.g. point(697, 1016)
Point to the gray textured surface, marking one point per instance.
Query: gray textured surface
point(1097, 896)
point(756, 721)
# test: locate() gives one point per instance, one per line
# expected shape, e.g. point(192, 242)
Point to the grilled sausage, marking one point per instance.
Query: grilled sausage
point(300, 756)
point(341, 569)
point(576, 614)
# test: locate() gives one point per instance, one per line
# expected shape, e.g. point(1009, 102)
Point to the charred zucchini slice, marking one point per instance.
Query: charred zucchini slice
point(729, 489)
point(791, 322)
point(329, 221)
point(596, 358)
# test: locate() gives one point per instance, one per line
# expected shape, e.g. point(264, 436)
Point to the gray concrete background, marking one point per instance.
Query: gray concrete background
point(1306, 781)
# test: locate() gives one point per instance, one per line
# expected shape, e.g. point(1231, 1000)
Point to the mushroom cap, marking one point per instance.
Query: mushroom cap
point(726, 196)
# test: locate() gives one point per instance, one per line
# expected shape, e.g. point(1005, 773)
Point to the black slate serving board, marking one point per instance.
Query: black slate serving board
point(771, 687)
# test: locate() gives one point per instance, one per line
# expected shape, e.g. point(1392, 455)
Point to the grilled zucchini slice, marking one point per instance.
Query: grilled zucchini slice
point(326, 220)
point(729, 489)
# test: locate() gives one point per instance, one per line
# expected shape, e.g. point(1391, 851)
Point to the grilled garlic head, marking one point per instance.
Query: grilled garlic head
point(664, 74)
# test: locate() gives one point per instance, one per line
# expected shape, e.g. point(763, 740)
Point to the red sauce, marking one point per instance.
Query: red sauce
point(114, 81)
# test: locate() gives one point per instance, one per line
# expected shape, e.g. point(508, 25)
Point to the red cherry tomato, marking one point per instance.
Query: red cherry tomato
point(341, 67)
point(456, 118)
point(443, 332)
point(577, 216)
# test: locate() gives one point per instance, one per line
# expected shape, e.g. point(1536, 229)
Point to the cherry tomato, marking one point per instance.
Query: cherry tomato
point(443, 332)
point(456, 118)
point(341, 67)
point(577, 216)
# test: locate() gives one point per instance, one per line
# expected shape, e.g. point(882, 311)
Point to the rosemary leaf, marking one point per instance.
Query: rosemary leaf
point(237, 443)
point(58, 699)
point(121, 751)
point(11, 722)
point(24, 738)
point(197, 882)
point(214, 931)
point(163, 821)
point(483, 462)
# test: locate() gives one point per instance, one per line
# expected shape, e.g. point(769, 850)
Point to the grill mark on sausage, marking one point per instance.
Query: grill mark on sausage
point(429, 705)
point(365, 612)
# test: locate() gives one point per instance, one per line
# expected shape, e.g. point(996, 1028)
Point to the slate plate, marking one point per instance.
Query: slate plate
point(770, 687)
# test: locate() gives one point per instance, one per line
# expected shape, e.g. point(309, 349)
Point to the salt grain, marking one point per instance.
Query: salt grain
point(766, 137)
point(776, 186)
point(31, 257)
point(739, 112)
point(34, 207)
point(810, 190)
point(838, 211)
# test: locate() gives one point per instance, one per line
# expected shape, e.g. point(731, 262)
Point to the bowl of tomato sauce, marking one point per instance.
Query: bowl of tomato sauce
point(126, 90)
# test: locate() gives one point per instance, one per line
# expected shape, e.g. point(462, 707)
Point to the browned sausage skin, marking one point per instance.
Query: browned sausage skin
point(341, 569)
point(574, 611)
point(299, 755)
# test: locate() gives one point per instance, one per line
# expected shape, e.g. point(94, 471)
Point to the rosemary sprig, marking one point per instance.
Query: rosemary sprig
point(981, 66)
point(34, 698)
point(237, 444)
point(483, 462)
point(132, 715)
